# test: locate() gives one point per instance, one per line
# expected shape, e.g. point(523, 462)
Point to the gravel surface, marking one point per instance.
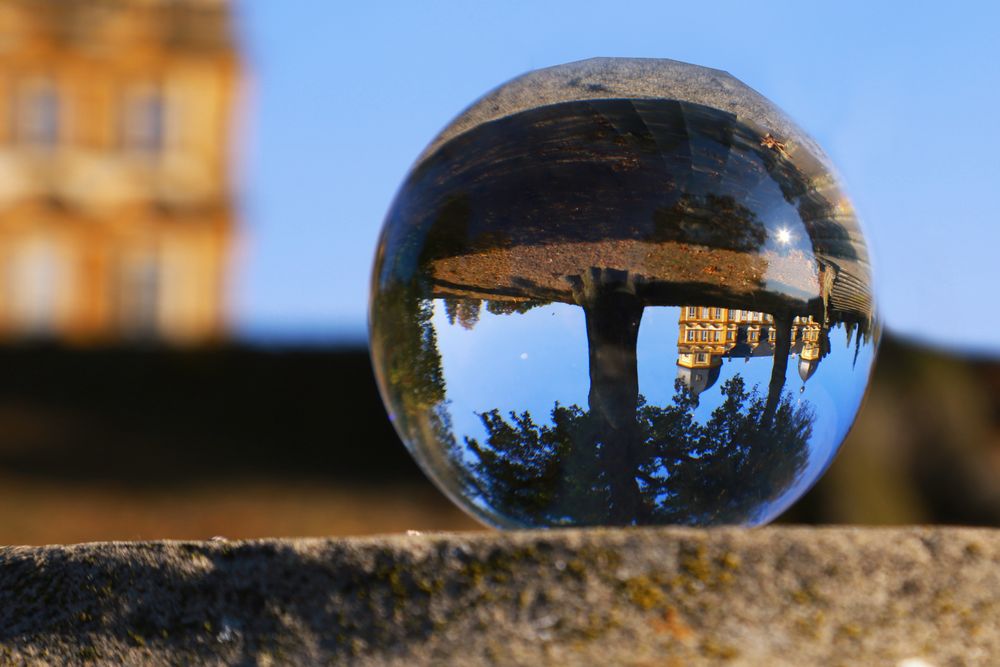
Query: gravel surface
point(544, 272)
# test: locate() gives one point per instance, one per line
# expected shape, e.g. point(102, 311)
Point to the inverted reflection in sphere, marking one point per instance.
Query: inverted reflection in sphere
point(622, 292)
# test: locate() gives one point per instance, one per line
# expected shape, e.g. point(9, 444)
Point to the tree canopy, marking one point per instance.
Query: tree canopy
point(725, 470)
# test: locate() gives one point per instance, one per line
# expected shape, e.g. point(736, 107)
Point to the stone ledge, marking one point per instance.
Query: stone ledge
point(774, 596)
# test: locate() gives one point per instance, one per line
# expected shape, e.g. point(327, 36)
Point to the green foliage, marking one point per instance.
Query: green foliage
point(533, 470)
point(733, 464)
point(464, 311)
point(721, 471)
point(402, 317)
point(511, 307)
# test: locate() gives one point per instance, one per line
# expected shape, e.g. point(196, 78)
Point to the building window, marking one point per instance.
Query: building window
point(701, 357)
point(731, 335)
point(718, 336)
point(139, 295)
point(690, 336)
point(144, 120)
point(692, 311)
point(704, 335)
point(35, 286)
point(718, 313)
point(36, 115)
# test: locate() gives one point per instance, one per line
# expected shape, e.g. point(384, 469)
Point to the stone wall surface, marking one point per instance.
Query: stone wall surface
point(909, 597)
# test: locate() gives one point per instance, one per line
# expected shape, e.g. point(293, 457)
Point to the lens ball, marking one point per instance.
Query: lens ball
point(622, 292)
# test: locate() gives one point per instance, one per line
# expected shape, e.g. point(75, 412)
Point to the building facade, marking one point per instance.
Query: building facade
point(707, 335)
point(116, 220)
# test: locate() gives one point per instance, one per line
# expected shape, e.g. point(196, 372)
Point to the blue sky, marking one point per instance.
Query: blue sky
point(341, 98)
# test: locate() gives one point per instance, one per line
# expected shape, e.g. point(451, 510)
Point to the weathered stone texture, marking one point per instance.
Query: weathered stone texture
point(773, 596)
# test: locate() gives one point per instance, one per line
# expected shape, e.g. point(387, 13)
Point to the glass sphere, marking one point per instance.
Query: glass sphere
point(622, 292)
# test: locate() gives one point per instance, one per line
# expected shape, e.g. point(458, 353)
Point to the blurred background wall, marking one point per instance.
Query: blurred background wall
point(116, 219)
point(130, 442)
point(181, 290)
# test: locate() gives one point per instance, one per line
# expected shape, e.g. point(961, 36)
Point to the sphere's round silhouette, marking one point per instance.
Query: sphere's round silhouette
point(622, 292)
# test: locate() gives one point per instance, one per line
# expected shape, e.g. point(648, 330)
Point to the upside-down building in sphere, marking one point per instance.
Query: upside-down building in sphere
point(708, 335)
point(115, 214)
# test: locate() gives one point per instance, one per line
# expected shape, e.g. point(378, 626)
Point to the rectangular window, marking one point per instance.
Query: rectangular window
point(692, 311)
point(36, 115)
point(731, 335)
point(139, 286)
point(702, 357)
point(36, 283)
point(718, 336)
point(144, 120)
point(704, 335)
point(718, 313)
point(690, 336)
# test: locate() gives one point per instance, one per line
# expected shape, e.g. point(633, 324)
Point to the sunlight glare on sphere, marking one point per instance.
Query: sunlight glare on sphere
point(622, 292)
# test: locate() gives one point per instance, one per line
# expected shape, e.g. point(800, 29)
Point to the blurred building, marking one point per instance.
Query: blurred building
point(708, 335)
point(115, 213)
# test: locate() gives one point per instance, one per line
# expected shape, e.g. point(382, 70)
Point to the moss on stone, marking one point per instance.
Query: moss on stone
point(644, 592)
point(714, 649)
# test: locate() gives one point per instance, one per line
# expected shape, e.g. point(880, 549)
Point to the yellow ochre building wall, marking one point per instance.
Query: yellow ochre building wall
point(116, 220)
point(705, 333)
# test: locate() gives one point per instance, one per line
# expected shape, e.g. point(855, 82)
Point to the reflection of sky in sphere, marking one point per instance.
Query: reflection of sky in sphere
point(513, 362)
point(530, 361)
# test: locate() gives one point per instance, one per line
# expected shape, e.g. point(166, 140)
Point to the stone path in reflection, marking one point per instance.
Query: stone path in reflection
point(541, 271)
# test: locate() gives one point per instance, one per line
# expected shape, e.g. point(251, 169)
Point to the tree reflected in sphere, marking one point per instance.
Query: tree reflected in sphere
point(622, 292)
